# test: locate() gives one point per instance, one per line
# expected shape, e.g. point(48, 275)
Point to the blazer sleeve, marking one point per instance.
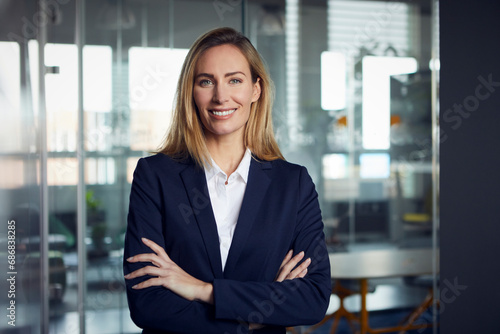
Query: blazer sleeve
point(157, 308)
point(291, 302)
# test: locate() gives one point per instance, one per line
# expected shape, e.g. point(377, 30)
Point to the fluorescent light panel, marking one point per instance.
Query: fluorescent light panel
point(374, 165)
point(333, 81)
point(376, 97)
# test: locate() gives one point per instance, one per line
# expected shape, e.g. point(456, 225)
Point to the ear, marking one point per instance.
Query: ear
point(256, 90)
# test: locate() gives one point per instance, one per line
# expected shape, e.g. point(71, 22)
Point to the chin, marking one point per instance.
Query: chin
point(226, 131)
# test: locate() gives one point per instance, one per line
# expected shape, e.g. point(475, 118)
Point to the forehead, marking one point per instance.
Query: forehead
point(222, 58)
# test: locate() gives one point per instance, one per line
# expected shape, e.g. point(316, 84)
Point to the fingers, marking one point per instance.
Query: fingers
point(286, 267)
point(287, 258)
point(156, 281)
point(156, 248)
point(287, 270)
point(300, 271)
point(148, 257)
point(255, 326)
point(149, 270)
point(293, 262)
point(159, 259)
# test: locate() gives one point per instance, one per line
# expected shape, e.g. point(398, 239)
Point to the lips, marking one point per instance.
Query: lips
point(225, 112)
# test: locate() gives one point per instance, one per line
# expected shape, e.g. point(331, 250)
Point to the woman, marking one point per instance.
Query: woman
point(217, 214)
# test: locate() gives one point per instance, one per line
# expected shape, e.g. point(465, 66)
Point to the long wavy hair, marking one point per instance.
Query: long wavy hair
point(186, 137)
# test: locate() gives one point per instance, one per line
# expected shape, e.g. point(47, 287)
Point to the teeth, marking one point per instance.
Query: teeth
point(223, 113)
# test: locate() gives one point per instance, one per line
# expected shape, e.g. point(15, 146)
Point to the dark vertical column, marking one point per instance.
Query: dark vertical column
point(470, 166)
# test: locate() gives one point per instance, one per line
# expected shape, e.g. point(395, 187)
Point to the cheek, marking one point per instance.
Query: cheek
point(245, 97)
point(200, 97)
point(199, 104)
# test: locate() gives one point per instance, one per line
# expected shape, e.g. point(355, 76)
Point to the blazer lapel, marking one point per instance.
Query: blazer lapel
point(195, 183)
point(258, 182)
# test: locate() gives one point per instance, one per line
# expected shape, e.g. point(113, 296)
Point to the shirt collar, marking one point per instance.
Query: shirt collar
point(242, 170)
point(244, 165)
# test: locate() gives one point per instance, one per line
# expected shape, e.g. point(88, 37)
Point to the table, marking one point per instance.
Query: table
point(365, 265)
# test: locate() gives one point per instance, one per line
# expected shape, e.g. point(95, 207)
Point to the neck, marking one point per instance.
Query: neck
point(226, 153)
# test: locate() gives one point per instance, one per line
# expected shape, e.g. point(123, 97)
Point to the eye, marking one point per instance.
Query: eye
point(235, 81)
point(205, 82)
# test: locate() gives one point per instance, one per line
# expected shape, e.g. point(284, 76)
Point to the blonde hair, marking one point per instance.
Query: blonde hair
point(186, 138)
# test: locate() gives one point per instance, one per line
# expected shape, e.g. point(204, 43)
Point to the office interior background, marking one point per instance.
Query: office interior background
point(86, 89)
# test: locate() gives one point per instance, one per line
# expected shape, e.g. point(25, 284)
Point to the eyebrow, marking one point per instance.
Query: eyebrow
point(208, 75)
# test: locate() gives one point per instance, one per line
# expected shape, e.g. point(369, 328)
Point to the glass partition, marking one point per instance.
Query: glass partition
point(361, 115)
point(21, 252)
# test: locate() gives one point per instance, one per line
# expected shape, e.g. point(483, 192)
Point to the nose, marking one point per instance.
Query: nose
point(221, 94)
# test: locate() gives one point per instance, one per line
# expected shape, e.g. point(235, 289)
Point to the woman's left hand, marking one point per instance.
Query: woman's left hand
point(290, 269)
point(169, 275)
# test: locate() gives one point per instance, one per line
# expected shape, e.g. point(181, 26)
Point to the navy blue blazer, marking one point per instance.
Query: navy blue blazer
point(169, 204)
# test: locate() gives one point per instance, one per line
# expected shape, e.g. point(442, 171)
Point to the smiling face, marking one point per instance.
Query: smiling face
point(224, 92)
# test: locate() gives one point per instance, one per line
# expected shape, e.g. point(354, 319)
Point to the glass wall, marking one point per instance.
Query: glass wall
point(86, 89)
point(354, 106)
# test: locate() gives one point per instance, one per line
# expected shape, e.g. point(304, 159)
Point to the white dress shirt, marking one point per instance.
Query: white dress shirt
point(226, 199)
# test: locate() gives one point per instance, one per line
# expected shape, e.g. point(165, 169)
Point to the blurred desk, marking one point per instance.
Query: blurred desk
point(365, 265)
